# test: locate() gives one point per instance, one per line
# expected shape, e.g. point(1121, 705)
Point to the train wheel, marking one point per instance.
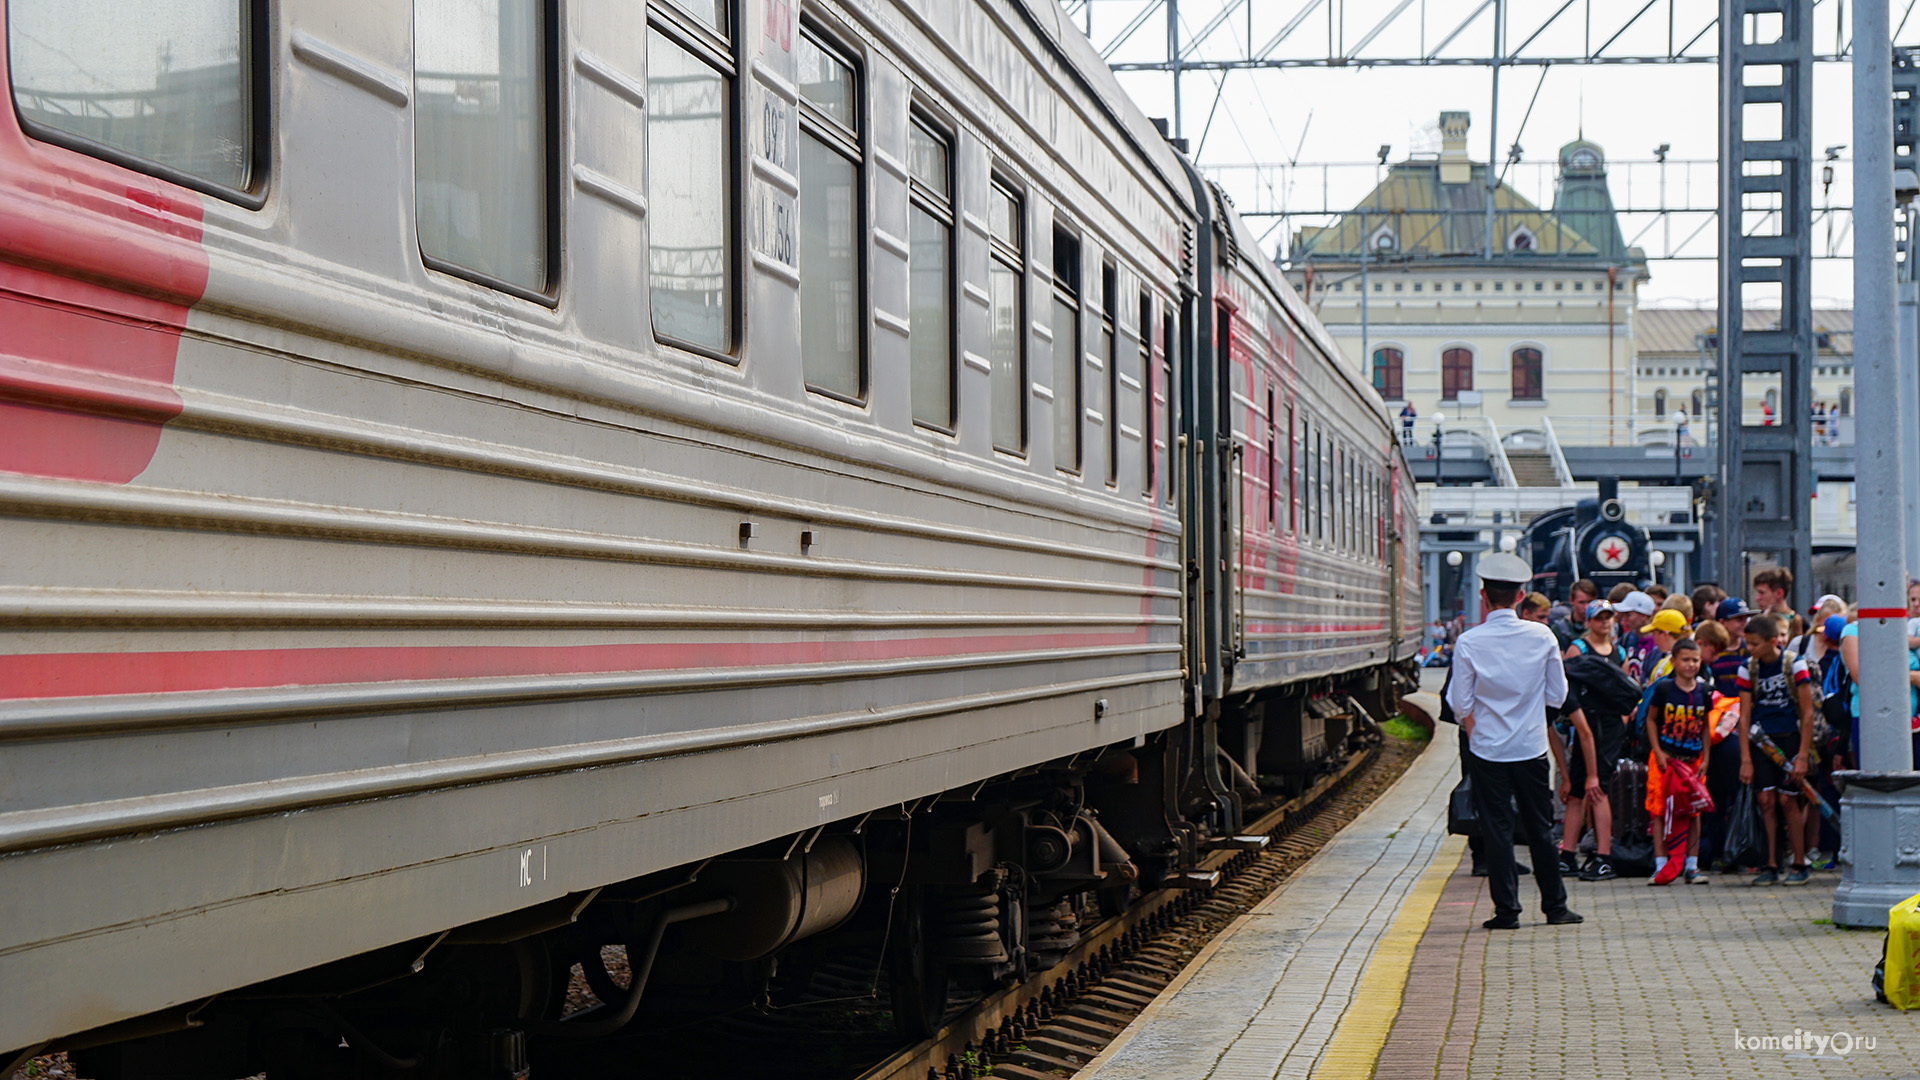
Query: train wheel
point(918, 979)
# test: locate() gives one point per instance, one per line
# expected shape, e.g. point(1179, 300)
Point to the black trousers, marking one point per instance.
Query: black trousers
point(1502, 792)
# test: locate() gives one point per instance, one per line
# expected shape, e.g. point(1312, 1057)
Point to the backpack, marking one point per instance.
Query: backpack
point(1836, 690)
point(1787, 657)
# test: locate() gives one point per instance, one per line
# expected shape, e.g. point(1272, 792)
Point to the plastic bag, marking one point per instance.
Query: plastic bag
point(1460, 817)
point(1902, 976)
point(1746, 834)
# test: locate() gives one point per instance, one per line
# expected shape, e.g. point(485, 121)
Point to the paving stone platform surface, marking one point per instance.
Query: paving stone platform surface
point(1263, 999)
point(1677, 981)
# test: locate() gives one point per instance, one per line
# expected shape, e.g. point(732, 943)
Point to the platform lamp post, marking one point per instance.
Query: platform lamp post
point(1885, 789)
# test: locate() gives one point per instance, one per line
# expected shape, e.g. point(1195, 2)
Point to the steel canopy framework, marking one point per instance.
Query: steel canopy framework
point(1377, 33)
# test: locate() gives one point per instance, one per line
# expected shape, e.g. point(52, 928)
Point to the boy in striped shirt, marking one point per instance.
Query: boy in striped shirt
point(1776, 696)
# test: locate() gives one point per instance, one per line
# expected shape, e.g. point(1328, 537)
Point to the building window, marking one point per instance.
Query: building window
point(1066, 351)
point(1479, 286)
point(1659, 403)
point(1499, 286)
point(1399, 286)
point(1417, 285)
point(1520, 240)
point(1846, 401)
point(832, 344)
point(930, 274)
point(1456, 373)
point(1008, 350)
point(1456, 286)
point(480, 139)
point(1579, 286)
point(1389, 365)
point(174, 90)
point(1526, 375)
point(690, 218)
point(1699, 402)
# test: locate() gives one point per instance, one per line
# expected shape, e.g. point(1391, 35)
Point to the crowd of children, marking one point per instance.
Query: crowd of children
point(1735, 715)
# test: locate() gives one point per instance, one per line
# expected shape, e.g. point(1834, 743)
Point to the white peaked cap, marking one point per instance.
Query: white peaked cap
point(1500, 566)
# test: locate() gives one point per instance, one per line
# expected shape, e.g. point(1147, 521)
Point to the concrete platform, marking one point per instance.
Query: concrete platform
point(1370, 962)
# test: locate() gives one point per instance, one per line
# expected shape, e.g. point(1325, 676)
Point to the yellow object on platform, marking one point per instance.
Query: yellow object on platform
point(1903, 954)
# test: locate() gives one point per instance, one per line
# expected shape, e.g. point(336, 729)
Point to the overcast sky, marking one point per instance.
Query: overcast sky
point(1345, 115)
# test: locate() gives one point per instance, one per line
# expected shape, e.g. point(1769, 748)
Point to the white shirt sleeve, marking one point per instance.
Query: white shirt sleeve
point(1460, 693)
point(1556, 681)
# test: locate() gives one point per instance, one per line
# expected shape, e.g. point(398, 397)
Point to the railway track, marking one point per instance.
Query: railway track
point(1058, 1019)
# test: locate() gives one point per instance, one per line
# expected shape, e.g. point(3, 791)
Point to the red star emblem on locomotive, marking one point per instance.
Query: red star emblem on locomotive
point(1611, 552)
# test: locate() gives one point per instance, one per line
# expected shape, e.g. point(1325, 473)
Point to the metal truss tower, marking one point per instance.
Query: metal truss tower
point(1766, 214)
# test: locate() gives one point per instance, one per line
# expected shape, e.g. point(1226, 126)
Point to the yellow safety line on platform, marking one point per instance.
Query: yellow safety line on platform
point(1358, 1039)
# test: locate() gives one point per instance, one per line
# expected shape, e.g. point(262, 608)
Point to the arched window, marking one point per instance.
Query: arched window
point(1526, 374)
point(1456, 372)
point(1699, 402)
point(1521, 239)
point(1846, 401)
point(1659, 403)
point(1388, 364)
point(1770, 408)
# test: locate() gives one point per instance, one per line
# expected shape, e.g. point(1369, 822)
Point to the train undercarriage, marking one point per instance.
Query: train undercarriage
point(950, 896)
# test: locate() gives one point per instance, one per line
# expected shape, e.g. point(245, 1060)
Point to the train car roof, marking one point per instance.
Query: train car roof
point(1048, 20)
point(1078, 55)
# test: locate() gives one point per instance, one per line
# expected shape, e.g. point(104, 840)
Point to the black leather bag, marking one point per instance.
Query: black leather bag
point(1460, 817)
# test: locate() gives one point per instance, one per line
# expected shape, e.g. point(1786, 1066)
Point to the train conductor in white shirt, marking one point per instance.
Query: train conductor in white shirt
point(1506, 672)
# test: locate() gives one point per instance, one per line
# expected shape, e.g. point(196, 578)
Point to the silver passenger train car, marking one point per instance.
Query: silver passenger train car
point(486, 480)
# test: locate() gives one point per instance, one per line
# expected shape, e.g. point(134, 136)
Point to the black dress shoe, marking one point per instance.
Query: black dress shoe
point(1504, 922)
point(1563, 917)
point(1479, 869)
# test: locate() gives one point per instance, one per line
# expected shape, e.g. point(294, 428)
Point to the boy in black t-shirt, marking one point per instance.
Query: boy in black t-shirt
point(1776, 696)
point(1678, 708)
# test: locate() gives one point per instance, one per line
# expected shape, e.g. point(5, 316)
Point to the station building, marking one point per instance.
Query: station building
point(1517, 336)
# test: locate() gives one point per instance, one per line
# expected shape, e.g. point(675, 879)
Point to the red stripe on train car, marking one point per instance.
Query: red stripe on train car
point(98, 268)
point(58, 675)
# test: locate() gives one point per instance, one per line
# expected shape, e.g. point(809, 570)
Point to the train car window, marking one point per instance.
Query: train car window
point(1273, 471)
point(1325, 509)
point(482, 135)
point(1106, 397)
point(690, 178)
point(1066, 351)
point(1311, 439)
point(1293, 475)
point(930, 274)
point(1341, 491)
point(832, 345)
point(1144, 371)
point(175, 90)
point(1169, 335)
point(1008, 351)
